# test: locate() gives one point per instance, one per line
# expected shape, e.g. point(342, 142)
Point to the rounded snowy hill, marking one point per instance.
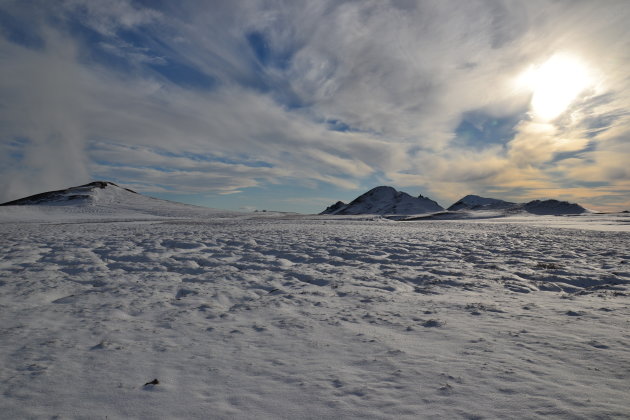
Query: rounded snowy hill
point(385, 200)
point(553, 207)
point(97, 192)
point(100, 198)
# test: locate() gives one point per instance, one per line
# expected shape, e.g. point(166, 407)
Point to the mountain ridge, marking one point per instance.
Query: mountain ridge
point(385, 200)
point(381, 200)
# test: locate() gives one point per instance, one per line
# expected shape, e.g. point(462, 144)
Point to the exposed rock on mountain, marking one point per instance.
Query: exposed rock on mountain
point(334, 208)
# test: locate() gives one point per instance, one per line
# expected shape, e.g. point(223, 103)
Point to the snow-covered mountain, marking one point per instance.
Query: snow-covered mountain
point(92, 193)
point(385, 200)
point(541, 207)
point(102, 198)
point(475, 202)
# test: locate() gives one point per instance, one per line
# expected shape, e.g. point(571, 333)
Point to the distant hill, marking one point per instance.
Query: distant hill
point(475, 202)
point(82, 194)
point(385, 201)
point(541, 207)
point(553, 207)
point(107, 198)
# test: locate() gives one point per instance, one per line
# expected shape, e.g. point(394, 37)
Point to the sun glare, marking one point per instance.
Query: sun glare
point(556, 84)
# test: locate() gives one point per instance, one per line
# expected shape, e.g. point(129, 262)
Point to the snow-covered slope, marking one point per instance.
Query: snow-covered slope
point(92, 193)
point(99, 198)
point(385, 201)
point(475, 202)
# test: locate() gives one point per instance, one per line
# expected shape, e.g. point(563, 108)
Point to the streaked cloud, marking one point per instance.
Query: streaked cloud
point(229, 96)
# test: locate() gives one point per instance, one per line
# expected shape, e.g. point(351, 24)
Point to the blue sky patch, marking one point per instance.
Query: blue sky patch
point(259, 46)
point(265, 54)
point(184, 75)
point(479, 129)
point(591, 146)
point(19, 32)
point(338, 125)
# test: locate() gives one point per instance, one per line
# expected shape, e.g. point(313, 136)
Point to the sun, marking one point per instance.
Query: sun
point(555, 84)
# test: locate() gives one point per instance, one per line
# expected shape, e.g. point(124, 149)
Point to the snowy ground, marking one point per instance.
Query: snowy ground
point(290, 317)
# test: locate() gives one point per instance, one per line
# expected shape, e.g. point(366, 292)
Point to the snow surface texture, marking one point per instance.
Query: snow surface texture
point(310, 317)
point(385, 201)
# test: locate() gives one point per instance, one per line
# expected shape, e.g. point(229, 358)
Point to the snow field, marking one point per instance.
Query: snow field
point(285, 317)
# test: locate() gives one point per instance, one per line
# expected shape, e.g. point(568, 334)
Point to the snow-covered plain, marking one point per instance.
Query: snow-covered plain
point(272, 316)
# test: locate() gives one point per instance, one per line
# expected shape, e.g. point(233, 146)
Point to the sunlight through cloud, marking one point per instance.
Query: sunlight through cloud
point(555, 84)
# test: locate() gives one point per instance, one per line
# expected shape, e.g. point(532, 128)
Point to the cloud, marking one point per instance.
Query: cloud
point(537, 143)
point(108, 17)
point(41, 106)
point(196, 98)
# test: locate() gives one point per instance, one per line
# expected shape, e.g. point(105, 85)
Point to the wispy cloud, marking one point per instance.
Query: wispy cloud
point(224, 96)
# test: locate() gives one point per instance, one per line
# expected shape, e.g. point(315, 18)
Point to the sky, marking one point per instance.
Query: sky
point(293, 105)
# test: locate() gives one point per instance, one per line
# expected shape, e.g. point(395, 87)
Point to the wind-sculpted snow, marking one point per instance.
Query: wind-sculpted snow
point(296, 317)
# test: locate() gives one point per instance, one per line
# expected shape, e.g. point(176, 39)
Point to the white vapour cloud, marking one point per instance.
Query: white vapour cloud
point(396, 76)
